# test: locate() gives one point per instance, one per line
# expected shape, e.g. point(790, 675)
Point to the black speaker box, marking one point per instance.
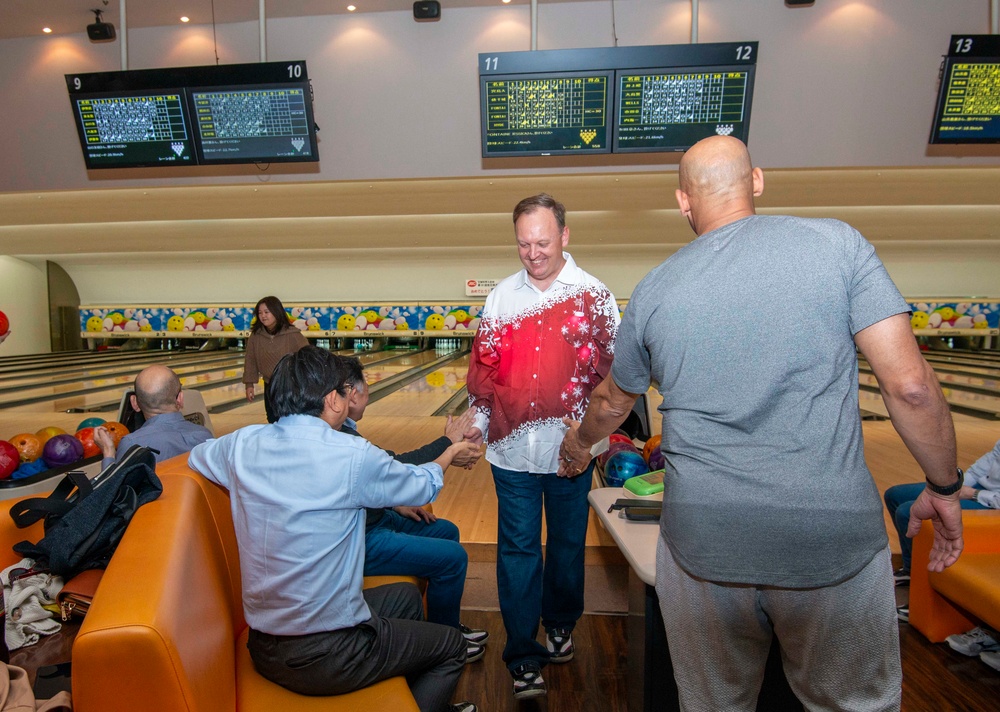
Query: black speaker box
point(101, 32)
point(427, 10)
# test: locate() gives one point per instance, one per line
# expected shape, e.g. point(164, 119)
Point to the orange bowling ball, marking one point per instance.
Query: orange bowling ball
point(29, 445)
point(652, 444)
point(117, 430)
point(86, 438)
point(45, 433)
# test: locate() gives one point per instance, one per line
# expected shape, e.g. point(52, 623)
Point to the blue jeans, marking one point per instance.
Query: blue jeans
point(898, 500)
point(399, 546)
point(529, 589)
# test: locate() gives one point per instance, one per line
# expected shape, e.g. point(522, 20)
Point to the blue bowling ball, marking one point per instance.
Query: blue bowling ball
point(622, 465)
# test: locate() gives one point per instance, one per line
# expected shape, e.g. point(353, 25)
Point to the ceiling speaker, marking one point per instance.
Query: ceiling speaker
point(426, 10)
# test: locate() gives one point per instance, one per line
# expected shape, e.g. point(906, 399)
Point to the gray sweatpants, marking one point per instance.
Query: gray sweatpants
point(839, 643)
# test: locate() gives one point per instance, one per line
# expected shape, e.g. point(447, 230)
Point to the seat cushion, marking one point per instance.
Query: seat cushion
point(255, 694)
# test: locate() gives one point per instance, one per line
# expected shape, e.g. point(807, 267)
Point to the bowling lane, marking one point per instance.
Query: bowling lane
point(234, 394)
point(423, 396)
point(105, 387)
point(52, 378)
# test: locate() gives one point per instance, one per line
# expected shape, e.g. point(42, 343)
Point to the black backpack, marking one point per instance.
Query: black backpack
point(85, 519)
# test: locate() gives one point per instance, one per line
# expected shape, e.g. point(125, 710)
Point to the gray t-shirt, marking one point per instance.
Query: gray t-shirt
point(748, 331)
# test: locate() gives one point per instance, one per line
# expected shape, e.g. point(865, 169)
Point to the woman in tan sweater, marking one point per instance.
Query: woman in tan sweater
point(272, 336)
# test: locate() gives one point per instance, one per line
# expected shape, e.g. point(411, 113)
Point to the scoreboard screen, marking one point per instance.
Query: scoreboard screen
point(968, 106)
point(668, 110)
point(253, 124)
point(547, 114)
point(614, 99)
point(146, 129)
point(239, 113)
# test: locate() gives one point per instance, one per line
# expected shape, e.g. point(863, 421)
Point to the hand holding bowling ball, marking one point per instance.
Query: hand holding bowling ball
point(86, 438)
point(62, 450)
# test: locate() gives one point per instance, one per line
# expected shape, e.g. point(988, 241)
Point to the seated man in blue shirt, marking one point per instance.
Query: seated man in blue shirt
point(159, 398)
point(299, 488)
point(411, 541)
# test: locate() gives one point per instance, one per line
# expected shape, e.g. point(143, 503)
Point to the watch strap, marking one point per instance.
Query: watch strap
point(949, 489)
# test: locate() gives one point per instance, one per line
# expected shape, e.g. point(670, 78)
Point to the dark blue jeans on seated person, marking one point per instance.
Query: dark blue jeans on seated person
point(395, 641)
point(530, 589)
point(898, 501)
point(399, 546)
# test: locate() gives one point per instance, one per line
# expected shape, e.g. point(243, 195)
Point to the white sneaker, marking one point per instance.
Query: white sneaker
point(976, 641)
point(991, 659)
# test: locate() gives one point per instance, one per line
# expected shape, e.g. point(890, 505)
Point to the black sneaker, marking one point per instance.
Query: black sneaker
point(559, 641)
point(473, 652)
point(901, 576)
point(528, 681)
point(903, 613)
point(474, 635)
point(463, 707)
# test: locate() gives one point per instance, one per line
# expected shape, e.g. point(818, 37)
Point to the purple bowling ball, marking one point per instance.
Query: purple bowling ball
point(62, 450)
point(616, 446)
point(656, 460)
point(622, 465)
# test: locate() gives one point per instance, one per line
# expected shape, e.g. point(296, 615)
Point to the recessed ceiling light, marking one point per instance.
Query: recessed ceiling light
point(46, 30)
point(351, 8)
point(506, 2)
point(185, 19)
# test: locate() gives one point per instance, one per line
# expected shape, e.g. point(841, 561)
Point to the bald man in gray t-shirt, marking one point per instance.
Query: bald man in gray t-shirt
point(772, 524)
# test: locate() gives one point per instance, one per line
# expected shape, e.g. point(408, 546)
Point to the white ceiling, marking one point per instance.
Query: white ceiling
point(26, 18)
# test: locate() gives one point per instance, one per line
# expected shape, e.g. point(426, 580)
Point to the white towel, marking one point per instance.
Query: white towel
point(24, 599)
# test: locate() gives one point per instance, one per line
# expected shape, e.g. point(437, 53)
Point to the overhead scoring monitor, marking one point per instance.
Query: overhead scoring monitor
point(617, 99)
point(238, 113)
point(968, 105)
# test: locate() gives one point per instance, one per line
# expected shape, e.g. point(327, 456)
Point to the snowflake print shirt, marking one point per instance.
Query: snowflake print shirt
point(536, 359)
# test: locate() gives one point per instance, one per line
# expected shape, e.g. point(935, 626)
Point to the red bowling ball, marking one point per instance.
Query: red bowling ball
point(62, 450)
point(10, 459)
point(86, 438)
point(4, 323)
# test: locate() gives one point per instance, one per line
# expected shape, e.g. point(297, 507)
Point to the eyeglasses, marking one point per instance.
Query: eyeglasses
point(21, 572)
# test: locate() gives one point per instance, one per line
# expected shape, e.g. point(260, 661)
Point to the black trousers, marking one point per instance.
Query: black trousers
point(395, 641)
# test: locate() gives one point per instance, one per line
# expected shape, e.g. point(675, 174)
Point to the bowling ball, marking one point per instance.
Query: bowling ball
point(28, 445)
point(656, 460)
point(619, 437)
point(622, 465)
point(652, 444)
point(86, 438)
point(90, 423)
point(62, 450)
point(117, 430)
point(45, 433)
point(4, 323)
point(617, 447)
point(10, 459)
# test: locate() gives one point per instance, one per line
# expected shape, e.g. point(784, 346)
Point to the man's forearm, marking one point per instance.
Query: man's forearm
point(923, 420)
point(608, 408)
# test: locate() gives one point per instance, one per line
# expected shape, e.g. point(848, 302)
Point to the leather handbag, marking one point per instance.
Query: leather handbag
point(76, 594)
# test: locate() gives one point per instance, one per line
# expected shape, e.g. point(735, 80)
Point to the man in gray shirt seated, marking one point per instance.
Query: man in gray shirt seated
point(159, 398)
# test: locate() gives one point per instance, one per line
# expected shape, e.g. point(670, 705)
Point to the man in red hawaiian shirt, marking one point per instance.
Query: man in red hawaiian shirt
point(545, 341)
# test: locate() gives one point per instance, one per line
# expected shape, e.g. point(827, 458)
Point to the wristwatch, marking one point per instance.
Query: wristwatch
point(950, 489)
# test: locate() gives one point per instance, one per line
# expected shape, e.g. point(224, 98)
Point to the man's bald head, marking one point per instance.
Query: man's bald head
point(717, 183)
point(156, 391)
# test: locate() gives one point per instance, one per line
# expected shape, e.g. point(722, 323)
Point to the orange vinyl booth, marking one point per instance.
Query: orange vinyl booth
point(967, 593)
point(166, 631)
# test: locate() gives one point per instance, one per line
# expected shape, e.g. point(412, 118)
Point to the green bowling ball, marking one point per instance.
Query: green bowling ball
point(90, 423)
